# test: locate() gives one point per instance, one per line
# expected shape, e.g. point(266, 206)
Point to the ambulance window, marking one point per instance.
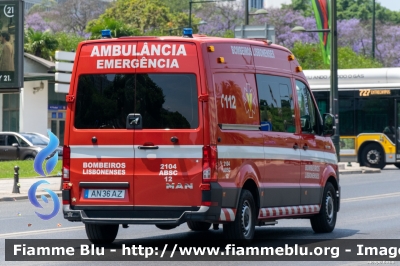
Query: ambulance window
point(104, 101)
point(276, 103)
point(167, 101)
point(309, 115)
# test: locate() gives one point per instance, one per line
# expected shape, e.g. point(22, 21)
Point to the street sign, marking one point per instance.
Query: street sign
point(11, 45)
point(266, 32)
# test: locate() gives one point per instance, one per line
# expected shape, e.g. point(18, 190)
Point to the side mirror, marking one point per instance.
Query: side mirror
point(328, 125)
point(16, 145)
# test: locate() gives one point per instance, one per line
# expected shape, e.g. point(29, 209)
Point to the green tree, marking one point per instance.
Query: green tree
point(145, 15)
point(348, 9)
point(41, 44)
point(178, 5)
point(301, 5)
point(310, 57)
point(43, 6)
point(68, 41)
point(117, 27)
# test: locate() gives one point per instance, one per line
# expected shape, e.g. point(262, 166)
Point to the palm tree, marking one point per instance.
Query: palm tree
point(41, 44)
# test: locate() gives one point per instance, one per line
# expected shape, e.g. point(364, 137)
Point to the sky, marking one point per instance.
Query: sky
point(390, 4)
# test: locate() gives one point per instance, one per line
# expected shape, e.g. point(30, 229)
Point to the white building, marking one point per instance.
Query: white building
point(37, 107)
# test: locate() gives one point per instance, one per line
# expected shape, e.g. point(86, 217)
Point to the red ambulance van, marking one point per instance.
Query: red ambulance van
point(197, 130)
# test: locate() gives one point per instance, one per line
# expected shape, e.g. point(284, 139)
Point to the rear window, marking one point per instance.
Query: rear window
point(165, 101)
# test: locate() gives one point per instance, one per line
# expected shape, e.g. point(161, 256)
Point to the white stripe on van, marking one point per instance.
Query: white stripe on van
point(102, 151)
point(171, 151)
point(195, 151)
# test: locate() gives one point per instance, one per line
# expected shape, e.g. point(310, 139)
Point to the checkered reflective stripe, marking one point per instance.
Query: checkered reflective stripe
point(288, 211)
point(227, 214)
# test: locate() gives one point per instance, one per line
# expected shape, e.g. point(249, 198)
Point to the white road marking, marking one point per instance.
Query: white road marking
point(35, 232)
point(373, 197)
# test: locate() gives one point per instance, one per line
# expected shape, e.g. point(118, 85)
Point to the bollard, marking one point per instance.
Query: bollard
point(16, 180)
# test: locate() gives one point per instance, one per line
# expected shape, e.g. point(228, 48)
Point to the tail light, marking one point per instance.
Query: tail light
point(66, 162)
point(210, 157)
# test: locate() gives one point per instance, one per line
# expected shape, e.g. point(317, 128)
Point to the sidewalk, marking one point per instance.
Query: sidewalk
point(355, 168)
point(7, 185)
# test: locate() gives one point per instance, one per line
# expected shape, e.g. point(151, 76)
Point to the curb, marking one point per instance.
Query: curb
point(360, 171)
point(349, 172)
point(370, 171)
point(22, 197)
point(32, 177)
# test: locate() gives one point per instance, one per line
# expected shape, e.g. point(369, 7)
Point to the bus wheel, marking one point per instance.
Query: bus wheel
point(325, 221)
point(198, 226)
point(397, 165)
point(373, 156)
point(244, 225)
point(101, 233)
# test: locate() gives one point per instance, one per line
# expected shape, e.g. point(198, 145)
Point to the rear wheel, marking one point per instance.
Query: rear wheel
point(29, 158)
point(325, 221)
point(101, 233)
point(373, 156)
point(198, 226)
point(244, 225)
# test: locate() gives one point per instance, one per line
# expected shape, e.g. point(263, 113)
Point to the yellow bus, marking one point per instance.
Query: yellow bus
point(369, 113)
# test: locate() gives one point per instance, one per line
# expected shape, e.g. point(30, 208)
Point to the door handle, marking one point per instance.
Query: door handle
point(295, 146)
point(148, 147)
point(305, 147)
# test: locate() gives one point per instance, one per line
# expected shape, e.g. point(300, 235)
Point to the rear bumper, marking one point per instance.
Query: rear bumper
point(141, 215)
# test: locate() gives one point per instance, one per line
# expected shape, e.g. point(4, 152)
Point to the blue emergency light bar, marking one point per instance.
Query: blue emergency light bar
point(187, 32)
point(106, 34)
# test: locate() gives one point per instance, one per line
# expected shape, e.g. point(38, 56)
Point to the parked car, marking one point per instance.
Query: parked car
point(23, 146)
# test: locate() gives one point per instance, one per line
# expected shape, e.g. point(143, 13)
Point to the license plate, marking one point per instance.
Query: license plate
point(104, 194)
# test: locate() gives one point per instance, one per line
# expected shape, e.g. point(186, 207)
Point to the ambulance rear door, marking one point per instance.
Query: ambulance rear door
point(168, 137)
point(101, 147)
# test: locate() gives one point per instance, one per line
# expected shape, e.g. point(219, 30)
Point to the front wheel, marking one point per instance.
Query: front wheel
point(373, 156)
point(101, 233)
point(325, 221)
point(244, 225)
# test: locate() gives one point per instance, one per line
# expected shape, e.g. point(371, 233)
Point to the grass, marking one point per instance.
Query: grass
point(25, 169)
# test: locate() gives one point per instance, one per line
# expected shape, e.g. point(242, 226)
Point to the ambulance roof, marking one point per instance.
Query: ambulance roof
point(197, 38)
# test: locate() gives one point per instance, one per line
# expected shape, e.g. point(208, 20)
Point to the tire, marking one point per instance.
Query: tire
point(373, 156)
point(397, 165)
point(325, 221)
point(101, 233)
point(198, 226)
point(243, 227)
point(165, 226)
point(29, 158)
